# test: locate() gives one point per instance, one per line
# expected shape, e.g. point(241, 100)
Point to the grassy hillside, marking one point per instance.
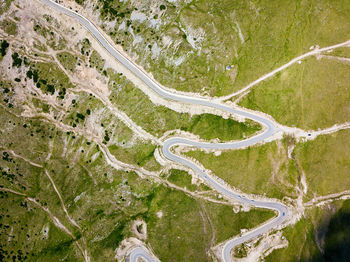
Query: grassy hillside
point(311, 95)
point(188, 45)
point(326, 163)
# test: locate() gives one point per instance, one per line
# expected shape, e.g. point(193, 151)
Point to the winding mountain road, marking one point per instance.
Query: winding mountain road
point(268, 131)
point(137, 253)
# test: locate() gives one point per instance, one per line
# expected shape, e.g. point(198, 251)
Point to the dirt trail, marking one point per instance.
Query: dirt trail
point(322, 200)
point(71, 220)
point(336, 58)
point(24, 159)
point(315, 51)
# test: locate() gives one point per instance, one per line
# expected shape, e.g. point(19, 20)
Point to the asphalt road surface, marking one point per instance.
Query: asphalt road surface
point(139, 252)
point(269, 130)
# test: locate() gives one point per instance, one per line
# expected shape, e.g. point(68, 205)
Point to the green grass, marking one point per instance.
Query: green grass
point(341, 52)
point(9, 26)
point(311, 95)
point(53, 74)
point(4, 5)
point(49, 78)
point(23, 132)
point(53, 40)
point(227, 224)
point(80, 2)
point(209, 126)
point(96, 61)
point(186, 229)
point(181, 178)
point(325, 162)
point(257, 170)
point(87, 110)
point(178, 235)
point(117, 136)
point(39, 46)
point(140, 154)
point(85, 47)
point(273, 33)
point(68, 61)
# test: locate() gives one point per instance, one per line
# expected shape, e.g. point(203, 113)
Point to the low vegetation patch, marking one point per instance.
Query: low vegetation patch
point(326, 163)
point(181, 228)
point(9, 26)
point(68, 61)
point(311, 95)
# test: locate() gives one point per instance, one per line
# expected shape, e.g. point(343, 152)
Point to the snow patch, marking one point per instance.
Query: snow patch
point(193, 36)
point(137, 39)
point(93, 158)
point(217, 153)
point(122, 26)
point(167, 41)
point(303, 183)
point(241, 37)
point(76, 199)
point(159, 214)
point(155, 23)
point(138, 16)
point(179, 61)
point(45, 231)
point(155, 50)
